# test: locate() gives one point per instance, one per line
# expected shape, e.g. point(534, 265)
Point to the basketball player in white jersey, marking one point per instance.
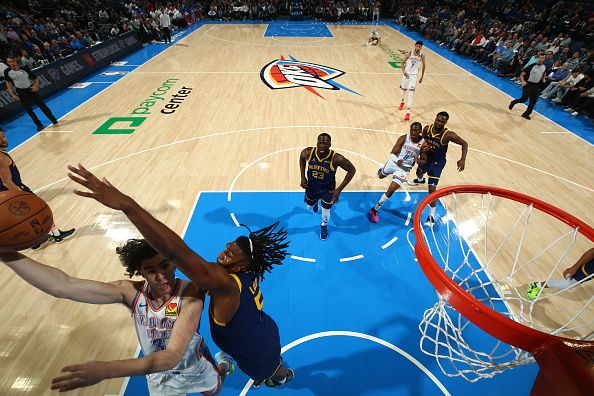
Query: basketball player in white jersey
point(412, 62)
point(408, 149)
point(166, 312)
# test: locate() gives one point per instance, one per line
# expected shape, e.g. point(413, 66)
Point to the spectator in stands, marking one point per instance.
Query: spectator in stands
point(25, 60)
point(557, 90)
point(573, 96)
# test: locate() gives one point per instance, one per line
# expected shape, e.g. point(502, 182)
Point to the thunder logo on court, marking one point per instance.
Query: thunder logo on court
point(283, 73)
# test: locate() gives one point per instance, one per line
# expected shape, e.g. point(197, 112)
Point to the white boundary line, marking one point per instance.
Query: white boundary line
point(368, 337)
point(309, 260)
point(272, 128)
point(407, 222)
point(352, 258)
point(389, 243)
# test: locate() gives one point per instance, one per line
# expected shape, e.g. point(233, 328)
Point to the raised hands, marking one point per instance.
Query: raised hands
point(100, 190)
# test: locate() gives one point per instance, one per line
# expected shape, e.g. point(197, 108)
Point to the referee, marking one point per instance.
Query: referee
point(23, 85)
point(531, 78)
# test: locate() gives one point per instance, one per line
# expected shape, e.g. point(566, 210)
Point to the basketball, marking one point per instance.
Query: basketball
point(25, 219)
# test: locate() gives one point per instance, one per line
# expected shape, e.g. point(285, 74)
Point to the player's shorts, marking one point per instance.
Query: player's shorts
point(433, 169)
point(195, 373)
point(399, 174)
point(409, 82)
point(21, 186)
point(584, 271)
point(313, 196)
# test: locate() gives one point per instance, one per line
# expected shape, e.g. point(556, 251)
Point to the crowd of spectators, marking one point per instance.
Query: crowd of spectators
point(507, 35)
point(503, 35)
point(44, 31)
point(323, 10)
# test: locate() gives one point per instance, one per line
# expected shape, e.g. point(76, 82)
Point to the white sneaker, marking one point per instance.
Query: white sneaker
point(575, 113)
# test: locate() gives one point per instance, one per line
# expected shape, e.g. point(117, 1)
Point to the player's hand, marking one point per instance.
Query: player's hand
point(569, 272)
point(79, 376)
point(420, 80)
point(335, 195)
point(399, 162)
point(303, 182)
point(405, 75)
point(34, 89)
point(101, 190)
point(461, 163)
point(16, 98)
point(523, 83)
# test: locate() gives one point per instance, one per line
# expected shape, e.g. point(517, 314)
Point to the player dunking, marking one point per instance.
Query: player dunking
point(412, 62)
point(407, 150)
point(320, 182)
point(437, 137)
point(238, 324)
point(166, 312)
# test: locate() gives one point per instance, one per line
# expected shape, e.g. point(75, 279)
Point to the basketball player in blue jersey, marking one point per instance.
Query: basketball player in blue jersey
point(238, 324)
point(320, 182)
point(10, 179)
point(166, 312)
point(408, 150)
point(581, 271)
point(437, 137)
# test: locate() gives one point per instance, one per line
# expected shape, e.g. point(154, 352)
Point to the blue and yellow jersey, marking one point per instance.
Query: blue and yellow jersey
point(251, 337)
point(586, 270)
point(321, 173)
point(435, 140)
point(14, 174)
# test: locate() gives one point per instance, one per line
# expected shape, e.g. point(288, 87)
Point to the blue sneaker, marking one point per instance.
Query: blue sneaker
point(323, 232)
point(271, 383)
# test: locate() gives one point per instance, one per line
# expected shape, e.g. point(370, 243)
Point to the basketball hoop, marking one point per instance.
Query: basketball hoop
point(480, 257)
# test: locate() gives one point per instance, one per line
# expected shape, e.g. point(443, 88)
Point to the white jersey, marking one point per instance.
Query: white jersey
point(413, 63)
point(409, 153)
point(196, 371)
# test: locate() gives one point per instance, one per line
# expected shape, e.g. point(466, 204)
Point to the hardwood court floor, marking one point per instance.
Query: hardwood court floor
point(228, 119)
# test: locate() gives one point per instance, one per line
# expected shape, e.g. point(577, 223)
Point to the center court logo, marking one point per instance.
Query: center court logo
point(283, 73)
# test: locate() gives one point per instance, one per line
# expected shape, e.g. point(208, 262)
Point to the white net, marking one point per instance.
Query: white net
point(494, 248)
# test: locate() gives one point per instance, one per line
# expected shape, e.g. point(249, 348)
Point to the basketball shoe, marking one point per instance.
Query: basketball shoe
point(407, 116)
point(401, 105)
point(222, 357)
point(416, 181)
point(272, 383)
point(373, 215)
point(63, 235)
point(323, 232)
point(43, 242)
point(533, 290)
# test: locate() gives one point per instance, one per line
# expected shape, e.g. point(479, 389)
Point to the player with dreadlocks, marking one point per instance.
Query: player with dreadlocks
point(238, 325)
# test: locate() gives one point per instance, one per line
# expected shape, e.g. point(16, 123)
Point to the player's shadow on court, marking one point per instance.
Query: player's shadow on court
point(375, 368)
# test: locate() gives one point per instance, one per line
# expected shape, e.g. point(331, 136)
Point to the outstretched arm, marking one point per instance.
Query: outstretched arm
point(453, 137)
point(345, 164)
point(206, 275)
point(397, 147)
point(302, 162)
point(422, 68)
point(89, 373)
point(59, 284)
point(586, 258)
